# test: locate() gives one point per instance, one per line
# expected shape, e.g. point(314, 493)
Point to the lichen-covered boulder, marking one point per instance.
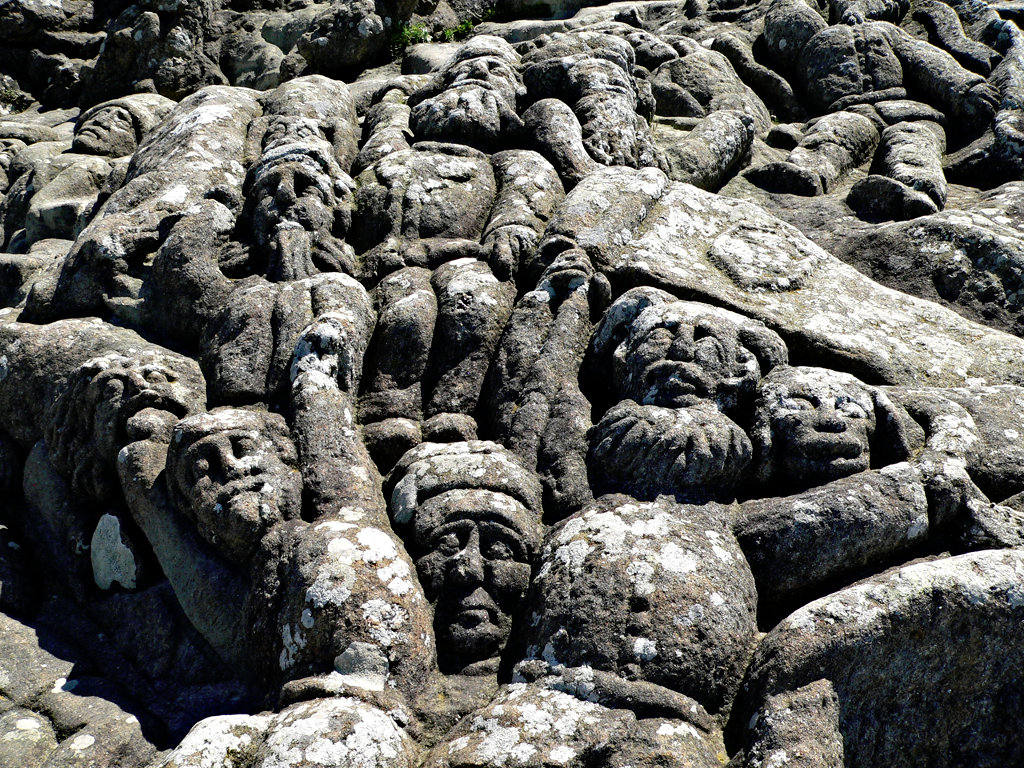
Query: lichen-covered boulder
point(929, 643)
point(639, 227)
point(653, 591)
point(529, 726)
point(344, 36)
point(332, 733)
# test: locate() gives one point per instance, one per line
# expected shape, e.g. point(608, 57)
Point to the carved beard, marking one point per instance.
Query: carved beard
point(291, 253)
point(474, 628)
point(296, 253)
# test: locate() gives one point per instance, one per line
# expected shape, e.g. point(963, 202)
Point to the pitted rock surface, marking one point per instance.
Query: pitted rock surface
point(474, 383)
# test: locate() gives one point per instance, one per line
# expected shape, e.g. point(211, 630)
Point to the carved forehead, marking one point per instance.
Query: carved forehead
point(313, 158)
point(433, 469)
point(172, 376)
point(227, 421)
point(685, 313)
point(817, 384)
point(143, 362)
point(483, 46)
point(106, 111)
point(477, 506)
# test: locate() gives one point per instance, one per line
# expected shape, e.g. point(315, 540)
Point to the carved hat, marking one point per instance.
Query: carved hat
point(432, 469)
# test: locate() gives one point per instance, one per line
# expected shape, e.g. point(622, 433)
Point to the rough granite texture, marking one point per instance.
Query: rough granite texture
point(511, 384)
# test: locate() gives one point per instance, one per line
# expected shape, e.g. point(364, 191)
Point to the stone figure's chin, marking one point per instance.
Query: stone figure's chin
point(88, 143)
point(822, 470)
point(473, 637)
point(245, 500)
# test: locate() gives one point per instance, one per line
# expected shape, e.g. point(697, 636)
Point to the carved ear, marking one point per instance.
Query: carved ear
point(897, 435)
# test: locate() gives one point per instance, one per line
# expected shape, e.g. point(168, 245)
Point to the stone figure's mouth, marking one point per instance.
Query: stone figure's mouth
point(471, 619)
point(830, 447)
point(476, 610)
point(678, 383)
point(476, 82)
point(160, 401)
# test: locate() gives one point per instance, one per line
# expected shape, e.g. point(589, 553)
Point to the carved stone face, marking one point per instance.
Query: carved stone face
point(298, 210)
point(821, 423)
point(677, 358)
point(476, 570)
point(110, 131)
point(477, 101)
point(114, 400)
point(489, 72)
point(231, 471)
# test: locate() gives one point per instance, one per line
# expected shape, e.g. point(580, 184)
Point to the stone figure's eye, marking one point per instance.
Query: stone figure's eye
point(797, 404)
point(851, 409)
point(449, 545)
point(498, 550)
point(307, 188)
point(200, 468)
point(242, 446)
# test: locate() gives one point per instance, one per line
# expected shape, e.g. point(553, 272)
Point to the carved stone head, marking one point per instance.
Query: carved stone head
point(473, 535)
point(115, 128)
point(678, 354)
point(108, 131)
point(113, 400)
point(814, 425)
point(474, 99)
point(233, 473)
point(300, 203)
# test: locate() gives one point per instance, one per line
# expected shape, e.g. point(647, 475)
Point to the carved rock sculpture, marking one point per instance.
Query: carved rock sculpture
point(564, 395)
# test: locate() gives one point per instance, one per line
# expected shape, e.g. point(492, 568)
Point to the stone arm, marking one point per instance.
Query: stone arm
point(940, 80)
point(800, 545)
point(529, 190)
point(953, 447)
point(385, 130)
point(189, 287)
point(339, 477)
point(210, 592)
point(391, 408)
point(644, 699)
point(536, 406)
point(347, 615)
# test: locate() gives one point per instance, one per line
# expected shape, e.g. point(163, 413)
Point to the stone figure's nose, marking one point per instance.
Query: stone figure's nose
point(234, 464)
point(829, 421)
point(285, 194)
point(682, 347)
point(468, 566)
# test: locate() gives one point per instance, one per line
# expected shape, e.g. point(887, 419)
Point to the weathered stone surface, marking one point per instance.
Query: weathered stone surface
point(532, 725)
point(391, 384)
point(47, 727)
point(609, 576)
point(716, 249)
point(923, 643)
point(334, 733)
